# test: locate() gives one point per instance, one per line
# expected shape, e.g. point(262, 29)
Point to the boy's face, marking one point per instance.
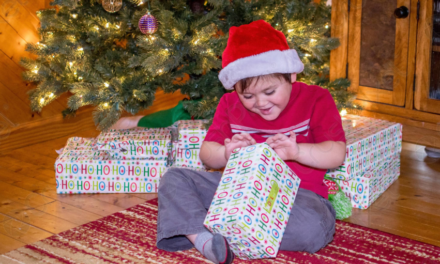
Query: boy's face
point(267, 97)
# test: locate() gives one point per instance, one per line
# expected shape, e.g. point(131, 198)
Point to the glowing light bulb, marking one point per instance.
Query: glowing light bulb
point(106, 105)
point(106, 84)
point(354, 123)
point(326, 26)
point(74, 73)
point(97, 28)
point(290, 30)
point(35, 71)
point(80, 49)
point(307, 55)
point(74, 15)
point(117, 26)
point(160, 71)
point(311, 40)
point(343, 112)
point(53, 56)
point(51, 95)
point(106, 25)
point(70, 63)
point(42, 100)
point(80, 78)
point(152, 38)
point(196, 41)
point(141, 3)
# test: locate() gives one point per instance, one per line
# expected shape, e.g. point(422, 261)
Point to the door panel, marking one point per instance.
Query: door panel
point(378, 50)
point(427, 94)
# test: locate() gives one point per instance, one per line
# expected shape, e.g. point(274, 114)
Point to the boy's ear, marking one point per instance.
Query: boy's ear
point(293, 77)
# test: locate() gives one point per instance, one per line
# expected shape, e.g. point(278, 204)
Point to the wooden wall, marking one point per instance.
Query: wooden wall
point(19, 126)
point(18, 26)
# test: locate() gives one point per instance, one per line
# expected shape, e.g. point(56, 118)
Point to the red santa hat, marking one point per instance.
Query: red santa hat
point(256, 49)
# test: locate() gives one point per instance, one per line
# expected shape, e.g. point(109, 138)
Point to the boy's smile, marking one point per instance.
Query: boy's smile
point(267, 96)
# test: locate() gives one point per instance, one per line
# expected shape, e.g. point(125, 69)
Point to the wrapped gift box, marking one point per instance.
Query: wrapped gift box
point(253, 201)
point(187, 150)
point(108, 176)
point(136, 144)
point(85, 154)
point(79, 144)
point(370, 142)
point(124, 154)
point(188, 158)
point(191, 133)
point(94, 171)
point(112, 133)
point(161, 141)
point(365, 189)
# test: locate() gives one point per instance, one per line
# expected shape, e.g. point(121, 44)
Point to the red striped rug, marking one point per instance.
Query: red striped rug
point(129, 237)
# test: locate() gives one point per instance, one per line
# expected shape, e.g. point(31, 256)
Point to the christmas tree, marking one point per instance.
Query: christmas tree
point(97, 52)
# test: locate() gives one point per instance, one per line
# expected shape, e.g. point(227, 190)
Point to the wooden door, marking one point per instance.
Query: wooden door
point(427, 84)
point(378, 50)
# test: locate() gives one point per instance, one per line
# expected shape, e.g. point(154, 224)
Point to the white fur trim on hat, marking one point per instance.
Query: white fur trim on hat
point(274, 61)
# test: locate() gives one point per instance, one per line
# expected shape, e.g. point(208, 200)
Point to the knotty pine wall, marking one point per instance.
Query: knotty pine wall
point(19, 126)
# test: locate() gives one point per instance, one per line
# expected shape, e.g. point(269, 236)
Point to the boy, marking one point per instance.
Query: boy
point(300, 122)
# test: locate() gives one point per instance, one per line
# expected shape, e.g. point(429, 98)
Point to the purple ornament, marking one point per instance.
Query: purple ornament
point(148, 24)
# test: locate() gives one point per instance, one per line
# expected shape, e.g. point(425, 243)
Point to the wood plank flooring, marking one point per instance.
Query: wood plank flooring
point(30, 209)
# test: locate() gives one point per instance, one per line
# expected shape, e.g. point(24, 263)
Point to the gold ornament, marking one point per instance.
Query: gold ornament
point(112, 6)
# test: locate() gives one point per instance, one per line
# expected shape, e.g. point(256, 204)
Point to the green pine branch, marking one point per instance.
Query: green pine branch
point(104, 60)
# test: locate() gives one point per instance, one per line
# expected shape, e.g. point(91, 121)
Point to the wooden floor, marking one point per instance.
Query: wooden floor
point(30, 209)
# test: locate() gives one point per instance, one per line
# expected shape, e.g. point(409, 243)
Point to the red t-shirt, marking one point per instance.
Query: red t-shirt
point(311, 113)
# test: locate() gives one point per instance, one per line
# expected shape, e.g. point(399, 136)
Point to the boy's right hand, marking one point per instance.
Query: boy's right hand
point(238, 141)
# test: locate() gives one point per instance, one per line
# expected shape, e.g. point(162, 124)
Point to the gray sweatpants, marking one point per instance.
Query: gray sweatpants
point(185, 196)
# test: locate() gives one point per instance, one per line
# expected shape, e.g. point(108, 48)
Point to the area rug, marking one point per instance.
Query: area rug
point(129, 237)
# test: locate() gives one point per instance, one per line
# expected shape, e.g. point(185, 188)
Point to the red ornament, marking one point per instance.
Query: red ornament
point(148, 24)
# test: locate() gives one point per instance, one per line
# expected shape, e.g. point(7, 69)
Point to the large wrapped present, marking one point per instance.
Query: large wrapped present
point(370, 142)
point(187, 150)
point(253, 201)
point(366, 188)
point(95, 172)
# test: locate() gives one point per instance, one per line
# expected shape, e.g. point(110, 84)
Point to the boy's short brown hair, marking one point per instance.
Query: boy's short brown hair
point(246, 82)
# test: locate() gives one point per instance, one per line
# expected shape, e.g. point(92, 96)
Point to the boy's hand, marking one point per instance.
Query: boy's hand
point(286, 147)
point(238, 141)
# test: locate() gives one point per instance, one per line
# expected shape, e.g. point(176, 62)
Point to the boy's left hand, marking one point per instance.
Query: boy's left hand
point(286, 147)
